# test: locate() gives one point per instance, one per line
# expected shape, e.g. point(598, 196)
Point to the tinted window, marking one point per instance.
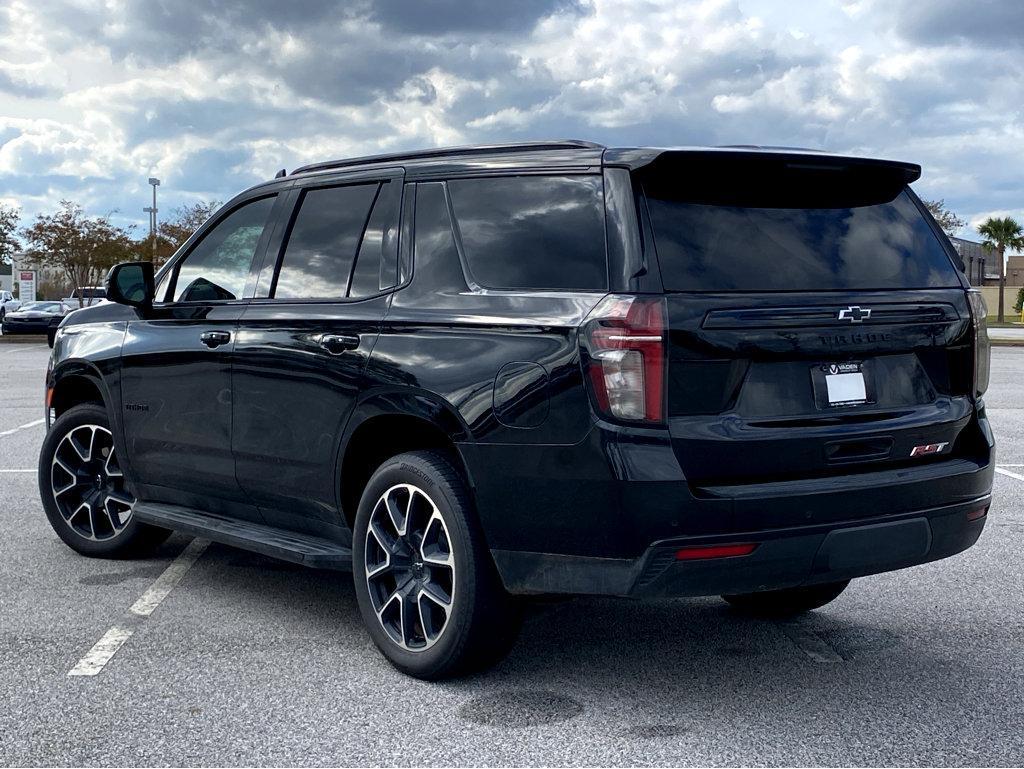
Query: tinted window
point(218, 267)
point(322, 245)
point(435, 256)
point(543, 232)
point(378, 253)
point(881, 245)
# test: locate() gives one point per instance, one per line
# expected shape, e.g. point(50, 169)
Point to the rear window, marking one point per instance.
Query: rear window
point(756, 246)
point(540, 232)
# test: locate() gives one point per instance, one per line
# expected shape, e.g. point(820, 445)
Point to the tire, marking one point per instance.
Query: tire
point(788, 602)
point(408, 563)
point(84, 493)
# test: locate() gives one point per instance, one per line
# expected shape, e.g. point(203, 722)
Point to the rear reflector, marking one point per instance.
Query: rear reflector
point(974, 515)
point(699, 552)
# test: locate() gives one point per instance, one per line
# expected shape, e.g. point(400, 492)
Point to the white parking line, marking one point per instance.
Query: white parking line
point(99, 655)
point(13, 430)
point(172, 575)
point(1018, 476)
point(18, 470)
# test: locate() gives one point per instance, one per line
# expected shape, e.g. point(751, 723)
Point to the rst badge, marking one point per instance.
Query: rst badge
point(928, 448)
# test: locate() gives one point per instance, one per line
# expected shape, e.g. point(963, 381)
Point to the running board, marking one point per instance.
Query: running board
point(293, 546)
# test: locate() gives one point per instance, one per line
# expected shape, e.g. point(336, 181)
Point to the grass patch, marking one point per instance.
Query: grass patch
point(1012, 321)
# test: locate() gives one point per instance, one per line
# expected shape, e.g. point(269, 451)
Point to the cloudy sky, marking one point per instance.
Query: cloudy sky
point(213, 95)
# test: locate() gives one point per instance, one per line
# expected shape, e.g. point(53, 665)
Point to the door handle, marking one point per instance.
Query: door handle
point(336, 344)
point(215, 338)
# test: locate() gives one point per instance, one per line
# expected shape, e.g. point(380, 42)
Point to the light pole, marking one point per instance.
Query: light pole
point(154, 182)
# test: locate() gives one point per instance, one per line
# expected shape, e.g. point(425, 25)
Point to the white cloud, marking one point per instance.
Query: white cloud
point(98, 95)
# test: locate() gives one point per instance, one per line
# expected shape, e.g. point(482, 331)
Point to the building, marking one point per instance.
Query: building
point(6, 277)
point(50, 282)
point(979, 262)
point(1015, 270)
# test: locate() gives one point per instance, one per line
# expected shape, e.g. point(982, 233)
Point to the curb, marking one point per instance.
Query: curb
point(22, 338)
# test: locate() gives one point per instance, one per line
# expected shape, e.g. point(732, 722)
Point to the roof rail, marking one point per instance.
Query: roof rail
point(778, 147)
point(479, 149)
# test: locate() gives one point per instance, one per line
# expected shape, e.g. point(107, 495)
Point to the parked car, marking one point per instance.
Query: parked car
point(33, 317)
point(90, 295)
point(7, 303)
point(477, 373)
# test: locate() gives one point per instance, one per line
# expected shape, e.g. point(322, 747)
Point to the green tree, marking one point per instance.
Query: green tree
point(1000, 234)
point(947, 220)
point(175, 231)
point(9, 216)
point(80, 248)
point(1019, 304)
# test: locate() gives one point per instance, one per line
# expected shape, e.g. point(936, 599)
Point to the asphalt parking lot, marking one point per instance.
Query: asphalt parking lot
point(250, 661)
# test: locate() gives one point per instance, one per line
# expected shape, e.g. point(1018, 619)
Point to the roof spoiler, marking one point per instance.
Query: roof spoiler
point(811, 160)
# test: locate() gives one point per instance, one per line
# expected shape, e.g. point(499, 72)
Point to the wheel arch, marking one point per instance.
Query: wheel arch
point(385, 425)
point(74, 383)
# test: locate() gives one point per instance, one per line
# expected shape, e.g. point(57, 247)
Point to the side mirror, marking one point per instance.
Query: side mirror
point(131, 283)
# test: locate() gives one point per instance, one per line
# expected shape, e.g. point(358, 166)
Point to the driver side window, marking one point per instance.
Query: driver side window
point(217, 268)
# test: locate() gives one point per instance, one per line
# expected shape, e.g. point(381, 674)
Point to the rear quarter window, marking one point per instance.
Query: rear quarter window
point(532, 232)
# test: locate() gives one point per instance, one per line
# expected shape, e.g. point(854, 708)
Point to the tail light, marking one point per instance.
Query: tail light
point(624, 343)
point(982, 347)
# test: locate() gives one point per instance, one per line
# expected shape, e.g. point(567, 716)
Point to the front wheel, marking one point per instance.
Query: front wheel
point(84, 492)
point(427, 588)
point(787, 602)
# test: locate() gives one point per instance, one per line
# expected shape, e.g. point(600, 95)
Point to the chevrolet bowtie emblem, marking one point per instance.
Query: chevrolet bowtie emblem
point(855, 314)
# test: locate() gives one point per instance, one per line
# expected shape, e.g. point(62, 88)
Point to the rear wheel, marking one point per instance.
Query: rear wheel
point(84, 492)
point(427, 588)
point(788, 602)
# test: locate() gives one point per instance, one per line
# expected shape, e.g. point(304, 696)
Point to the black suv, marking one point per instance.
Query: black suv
point(477, 373)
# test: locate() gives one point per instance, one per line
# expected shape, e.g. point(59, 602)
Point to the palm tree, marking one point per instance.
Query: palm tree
point(999, 235)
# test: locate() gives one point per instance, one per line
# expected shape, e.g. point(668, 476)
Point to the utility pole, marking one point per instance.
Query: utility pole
point(154, 182)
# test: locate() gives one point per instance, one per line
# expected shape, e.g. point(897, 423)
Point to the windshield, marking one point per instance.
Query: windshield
point(42, 307)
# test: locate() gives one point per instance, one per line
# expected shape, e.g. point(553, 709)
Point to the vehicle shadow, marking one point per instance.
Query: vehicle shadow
point(579, 635)
point(655, 669)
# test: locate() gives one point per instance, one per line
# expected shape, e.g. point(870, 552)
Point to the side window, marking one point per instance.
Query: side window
point(218, 267)
point(435, 256)
point(377, 259)
point(320, 254)
point(542, 232)
point(161, 287)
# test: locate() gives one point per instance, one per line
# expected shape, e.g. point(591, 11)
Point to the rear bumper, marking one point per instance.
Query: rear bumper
point(782, 558)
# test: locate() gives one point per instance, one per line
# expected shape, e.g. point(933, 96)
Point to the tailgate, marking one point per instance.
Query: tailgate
point(775, 387)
